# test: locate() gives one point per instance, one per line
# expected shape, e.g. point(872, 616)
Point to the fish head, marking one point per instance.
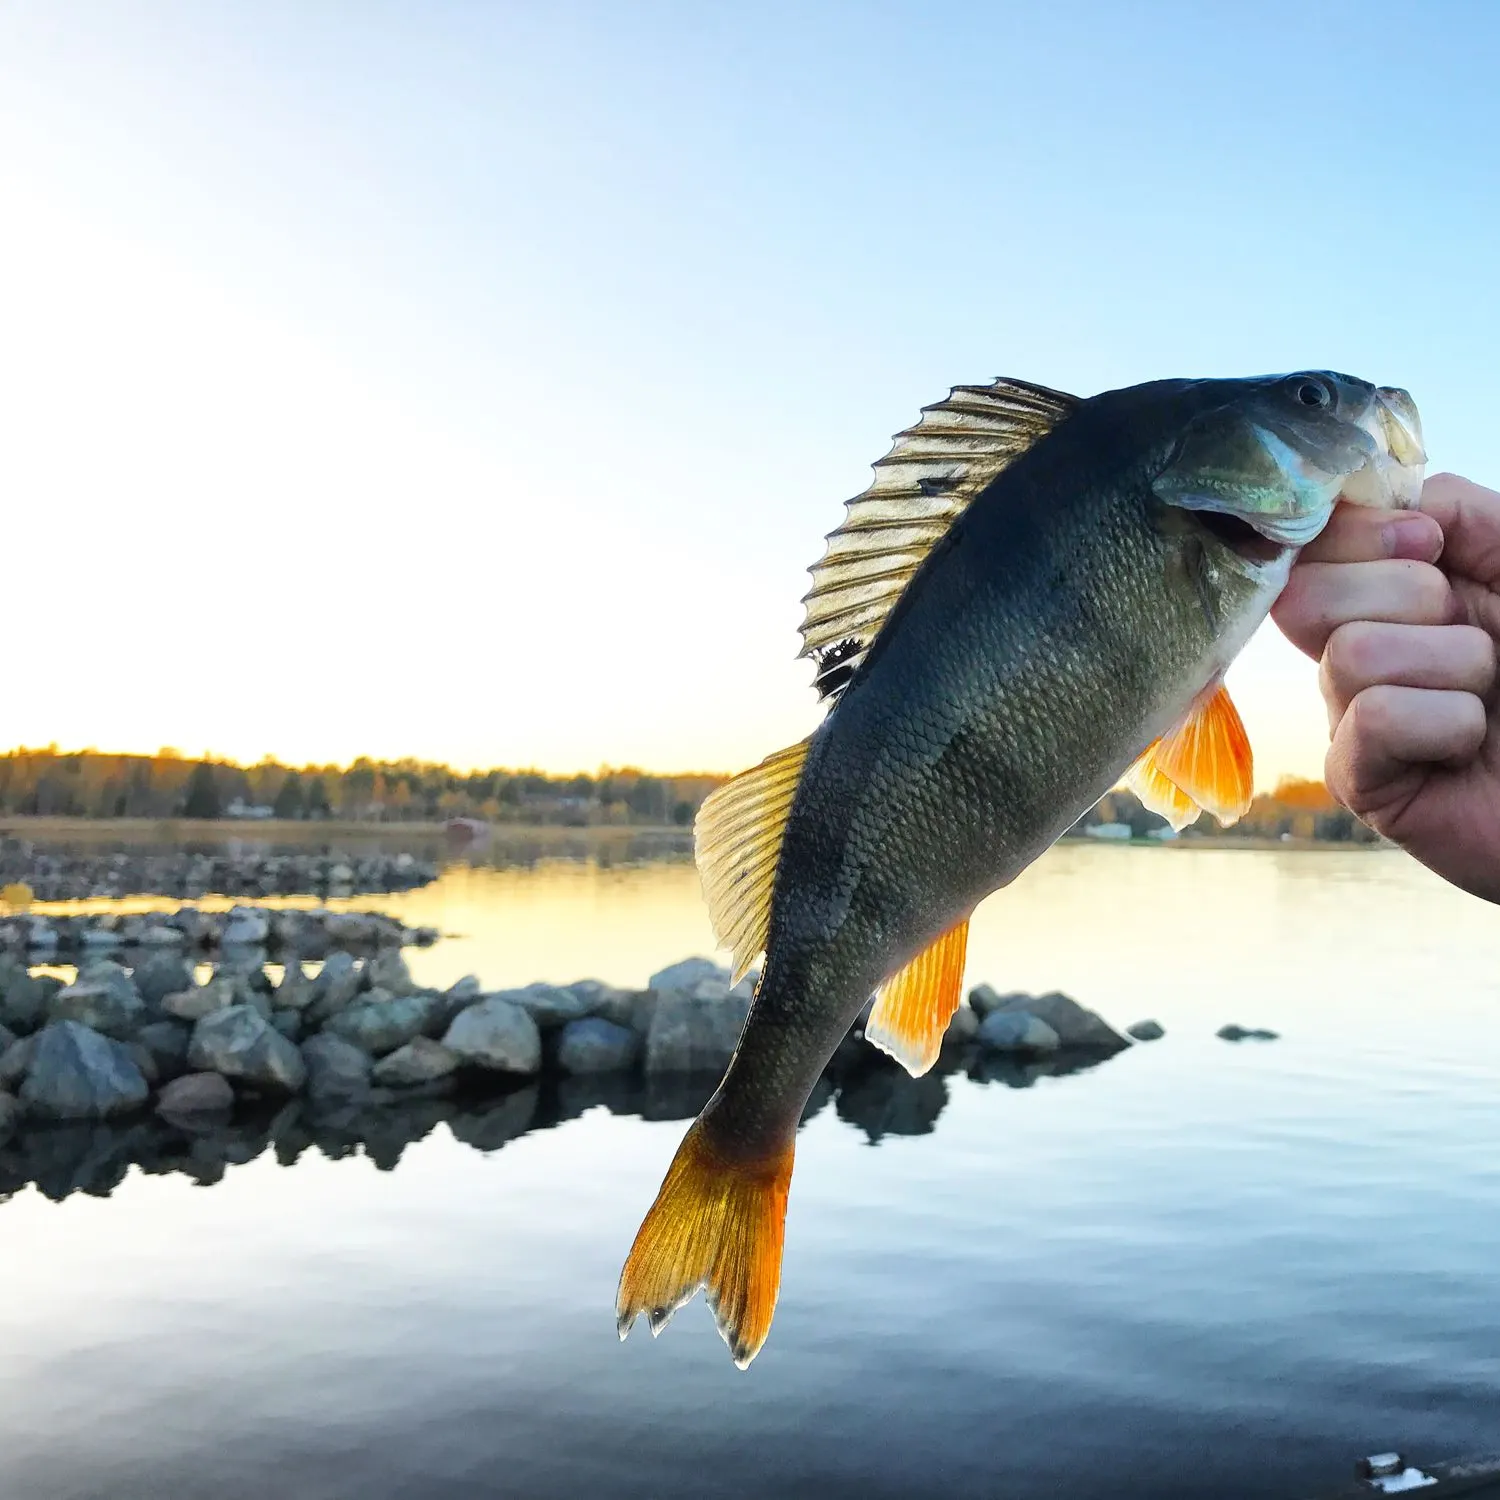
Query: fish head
point(1263, 462)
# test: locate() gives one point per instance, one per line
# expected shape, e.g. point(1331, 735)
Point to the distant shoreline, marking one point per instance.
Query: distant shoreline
point(290, 831)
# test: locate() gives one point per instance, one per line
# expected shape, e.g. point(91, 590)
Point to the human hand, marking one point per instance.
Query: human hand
point(1402, 611)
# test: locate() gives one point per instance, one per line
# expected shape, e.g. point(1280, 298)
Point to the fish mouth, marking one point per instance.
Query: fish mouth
point(1391, 479)
point(1253, 543)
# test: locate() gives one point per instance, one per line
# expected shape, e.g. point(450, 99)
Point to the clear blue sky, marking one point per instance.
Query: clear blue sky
point(477, 381)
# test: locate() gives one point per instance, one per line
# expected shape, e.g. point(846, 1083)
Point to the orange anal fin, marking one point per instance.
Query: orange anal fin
point(718, 1225)
point(1205, 762)
point(913, 1007)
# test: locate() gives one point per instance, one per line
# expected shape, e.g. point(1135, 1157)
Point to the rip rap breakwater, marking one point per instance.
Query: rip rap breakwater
point(148, 1068)
point(300, 933)
point(117, 1041)
point(59, 874)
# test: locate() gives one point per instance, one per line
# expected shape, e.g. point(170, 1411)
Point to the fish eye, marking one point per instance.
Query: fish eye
point(1312, 393)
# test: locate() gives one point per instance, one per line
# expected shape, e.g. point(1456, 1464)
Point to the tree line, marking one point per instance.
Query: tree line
point(93, 784)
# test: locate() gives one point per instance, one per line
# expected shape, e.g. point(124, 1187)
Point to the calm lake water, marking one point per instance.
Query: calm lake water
point(1197, 1270)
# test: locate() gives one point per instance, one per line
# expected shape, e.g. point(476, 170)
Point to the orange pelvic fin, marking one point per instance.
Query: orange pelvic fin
point(715, 1224)
point(1204, 763)
point(913, 1007)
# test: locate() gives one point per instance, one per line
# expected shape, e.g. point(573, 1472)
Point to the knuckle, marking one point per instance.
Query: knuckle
point(1351, 654)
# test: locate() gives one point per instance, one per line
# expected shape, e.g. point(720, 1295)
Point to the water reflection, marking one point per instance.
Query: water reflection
point(866, 1090)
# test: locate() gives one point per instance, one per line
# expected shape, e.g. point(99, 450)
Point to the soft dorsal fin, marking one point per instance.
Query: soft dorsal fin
point(920, 488)
point(1204, 763)
point(913, 1007)
point(737, 841)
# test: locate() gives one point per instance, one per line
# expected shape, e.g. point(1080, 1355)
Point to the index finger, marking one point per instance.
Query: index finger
point(1359, 533)
point(1469, 515)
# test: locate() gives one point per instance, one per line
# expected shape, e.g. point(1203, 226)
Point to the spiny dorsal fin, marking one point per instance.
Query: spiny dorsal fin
point(1204, 763)
point(737, 841)
point(913, 1007)
point(920, 488)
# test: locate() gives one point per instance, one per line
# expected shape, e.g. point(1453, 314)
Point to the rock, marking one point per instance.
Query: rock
point(962, 1028)
point(379, 1023)
point(688, 975)
point(202, 1000)
point(1017, 1031)
point(421, 1060)
point(196, 1094)
point(15, 1061)
point(492, 1126)
point(1146, 1031)
point(167, 1042)
point(161, 975)
point(78, 1074)
point(355, 927)
point(23, 997)
point(241, 1044)
point(984, 998)
point(7, 1038)
point(336, 1069)
point(295, 992)
point(159, 936)
point(1232, 1033)
point(10, 1115)
point(594, 1045)
point(388, 971)
point(638, 1015)
point(1075, 1026)
point(143, 1058)
point(107, 1004)
point(246, 928)
point(693, 1035)
point(497, 1035)
point(605, 1000)
point(549, 1005)
point(336, 984)
point(288, 1023)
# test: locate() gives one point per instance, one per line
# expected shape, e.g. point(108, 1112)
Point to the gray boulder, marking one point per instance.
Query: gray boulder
point(421, 1060)
point(1234, 1033)
point(594, 1045)
point(242, 1045)
point(549, 1005)
point(336, 984)
point(690, 1034)
point(167, 1042)
point(984, 998)
point(196, 1094)
point(688, 975)
point(379, 1023)
point(10, 1115)
point(356, 927)
point(23, 996)
point(388, 971)
point(1146, 1031)
point(145, 1060)
point(158, 935)
point(1075, 1026)
point(962, 1028)
point(288, 1023)
point(336, 1069)
point(201, 1000)
point(161, 975)
point(246, 928)
point(295, 992)
point(1017, 1031)
point(7, 1038)
point(15, 1061)
point(78, 1074)
point(497, 1035)
point(107, 1003)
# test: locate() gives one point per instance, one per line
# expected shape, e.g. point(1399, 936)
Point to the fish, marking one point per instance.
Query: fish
point(1036, 598)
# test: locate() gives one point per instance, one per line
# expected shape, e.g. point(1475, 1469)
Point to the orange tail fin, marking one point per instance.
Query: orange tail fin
point(716, 1224)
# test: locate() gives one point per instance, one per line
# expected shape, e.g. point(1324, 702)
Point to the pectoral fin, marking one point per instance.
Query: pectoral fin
point(1205, 763)
point(913, 1007)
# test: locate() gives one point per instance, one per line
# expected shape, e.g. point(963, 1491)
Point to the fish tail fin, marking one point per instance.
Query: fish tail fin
point(717, 1224)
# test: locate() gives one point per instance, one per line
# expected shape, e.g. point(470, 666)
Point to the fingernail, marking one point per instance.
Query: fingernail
point(1413, 536)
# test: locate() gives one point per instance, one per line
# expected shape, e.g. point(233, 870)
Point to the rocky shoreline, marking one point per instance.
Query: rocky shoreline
point(308, 933)
point(149, 1065)
point(65, 874)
